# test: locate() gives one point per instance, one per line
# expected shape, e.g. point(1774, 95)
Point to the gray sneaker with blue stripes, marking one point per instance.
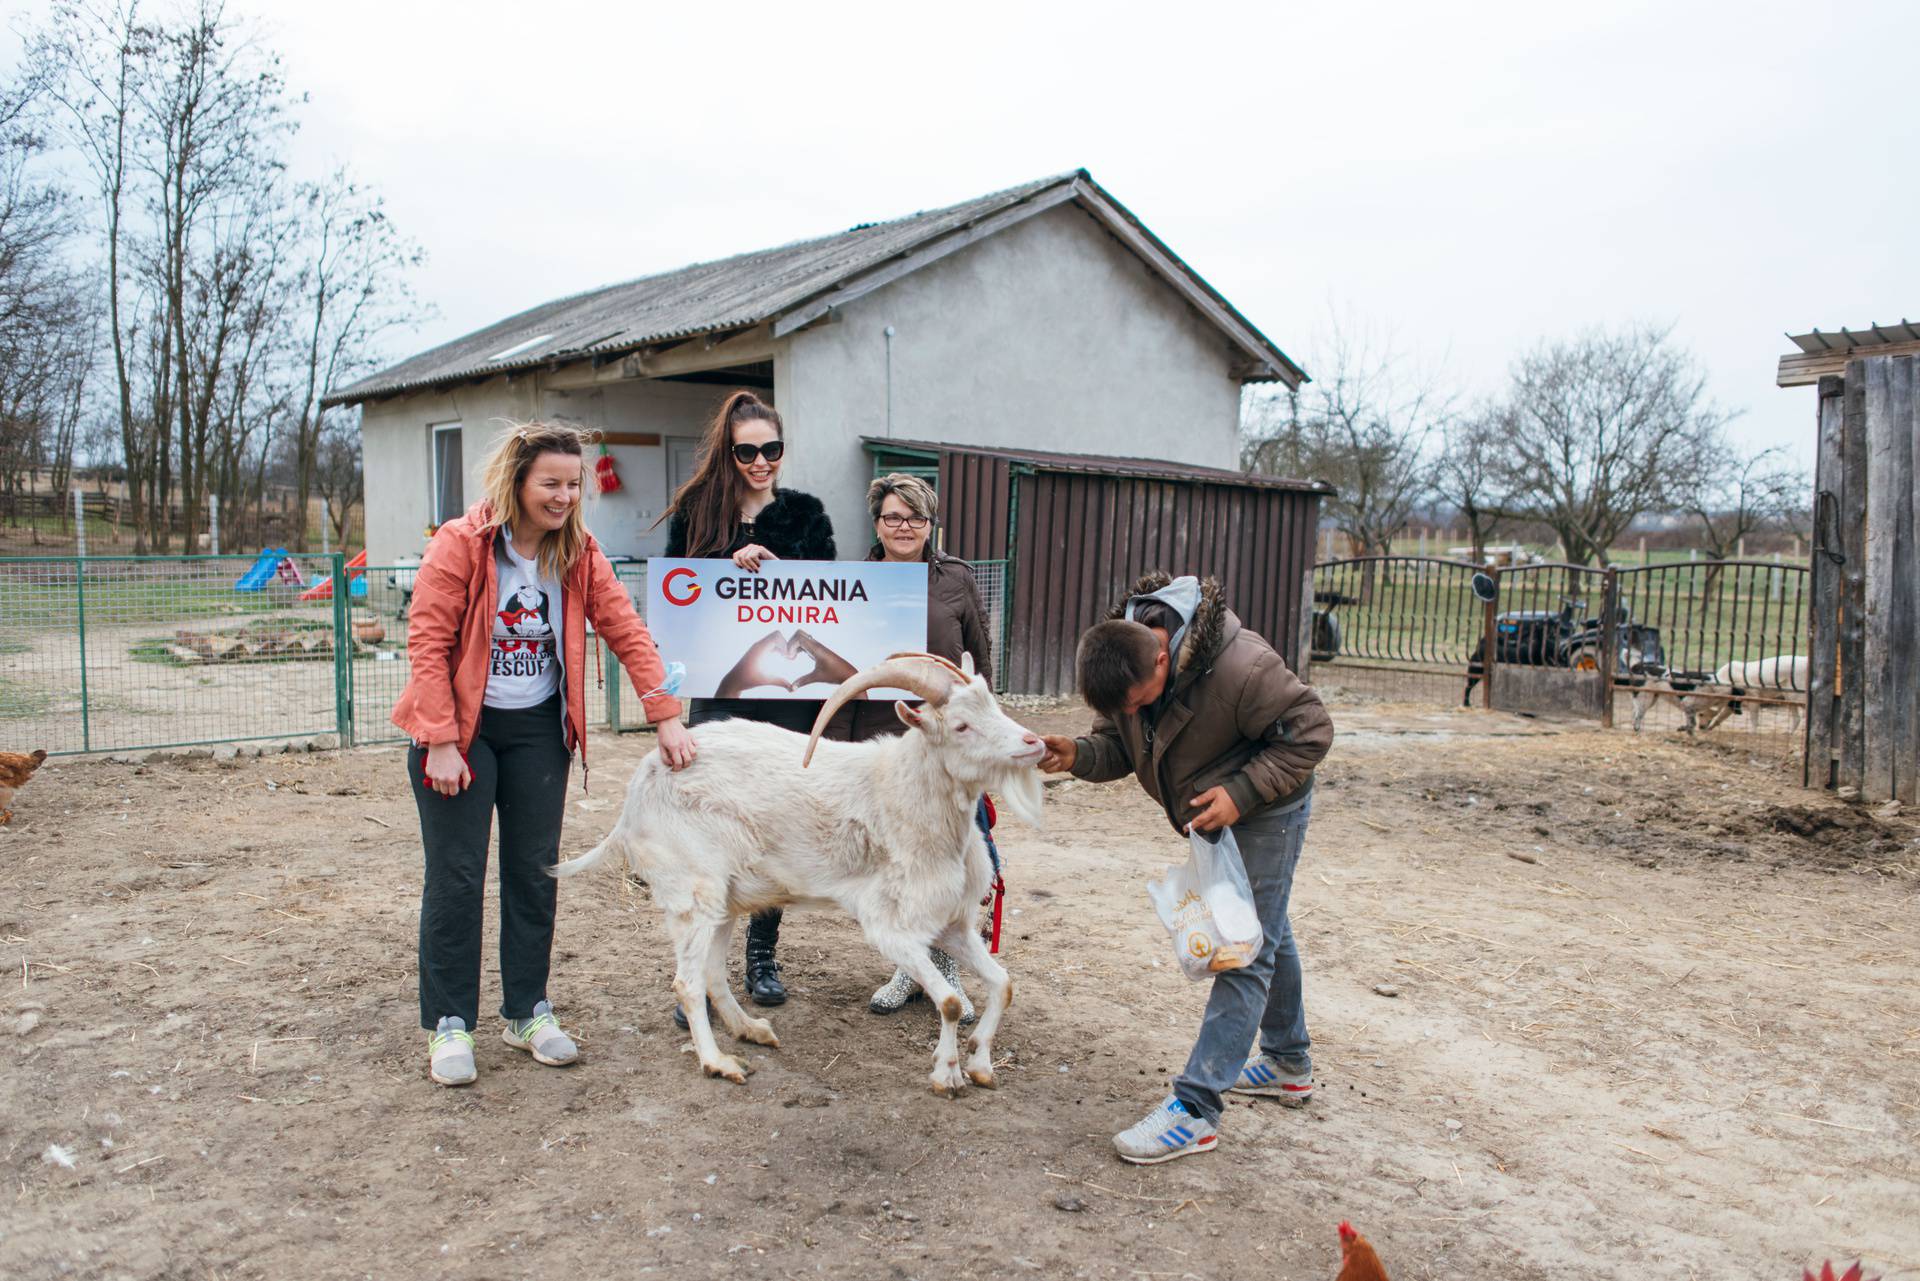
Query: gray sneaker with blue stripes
point(1167, 1132)
point(1269, 1078)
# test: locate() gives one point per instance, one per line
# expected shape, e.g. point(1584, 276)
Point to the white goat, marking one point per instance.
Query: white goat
point(1781, 674)
point(1656, 682)
point(883, 830)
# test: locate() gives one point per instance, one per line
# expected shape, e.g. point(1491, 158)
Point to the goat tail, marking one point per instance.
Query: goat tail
point(615, 841)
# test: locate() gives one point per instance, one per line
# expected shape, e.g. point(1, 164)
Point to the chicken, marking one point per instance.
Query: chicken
point(1358, 1262)
point(15, 770)
point(1827, 1273)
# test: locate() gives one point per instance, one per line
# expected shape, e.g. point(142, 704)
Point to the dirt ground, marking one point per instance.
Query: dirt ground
point(1654, 1014)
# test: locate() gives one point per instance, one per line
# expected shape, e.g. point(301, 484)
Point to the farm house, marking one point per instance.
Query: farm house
point(1045, 315)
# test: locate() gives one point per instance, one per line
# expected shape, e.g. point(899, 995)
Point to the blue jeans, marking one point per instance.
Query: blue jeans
point(1266, 995)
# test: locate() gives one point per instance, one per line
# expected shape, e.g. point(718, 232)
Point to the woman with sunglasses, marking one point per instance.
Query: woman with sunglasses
point(731, 508)
point(903, 510)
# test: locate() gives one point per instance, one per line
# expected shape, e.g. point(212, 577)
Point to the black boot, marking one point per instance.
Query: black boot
point(763, 972)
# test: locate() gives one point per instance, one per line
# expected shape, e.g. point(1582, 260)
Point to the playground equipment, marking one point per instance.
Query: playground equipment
point(356, 581)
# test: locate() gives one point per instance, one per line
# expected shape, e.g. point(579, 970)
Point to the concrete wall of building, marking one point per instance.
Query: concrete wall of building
point(397, 442)
point(1050, 335)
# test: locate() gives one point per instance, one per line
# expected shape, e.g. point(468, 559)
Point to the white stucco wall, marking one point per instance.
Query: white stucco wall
point(397, 445)
point(1050, 335)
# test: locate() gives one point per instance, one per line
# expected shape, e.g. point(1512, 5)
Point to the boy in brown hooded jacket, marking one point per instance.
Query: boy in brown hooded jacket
point(1218, 730)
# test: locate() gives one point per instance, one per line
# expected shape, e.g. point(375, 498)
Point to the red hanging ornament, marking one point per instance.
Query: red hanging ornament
point(603, 472)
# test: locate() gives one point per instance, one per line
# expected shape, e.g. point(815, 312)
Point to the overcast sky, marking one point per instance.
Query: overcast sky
point(1472, 177)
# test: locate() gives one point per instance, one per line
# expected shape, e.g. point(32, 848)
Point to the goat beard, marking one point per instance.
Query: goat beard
point(1020, 790)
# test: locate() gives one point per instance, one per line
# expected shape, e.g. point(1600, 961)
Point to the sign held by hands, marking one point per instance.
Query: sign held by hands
point(793, 629)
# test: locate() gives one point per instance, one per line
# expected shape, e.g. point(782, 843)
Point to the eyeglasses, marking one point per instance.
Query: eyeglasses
point(894, 521)
point(744, 454)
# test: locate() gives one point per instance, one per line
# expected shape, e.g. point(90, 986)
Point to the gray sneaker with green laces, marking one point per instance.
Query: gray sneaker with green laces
point(541, 1037)
point(893, 995)
point(450, 1051)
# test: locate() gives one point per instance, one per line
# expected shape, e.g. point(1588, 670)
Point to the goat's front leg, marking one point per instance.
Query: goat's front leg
point(962, 942)
point(910, 954)
point(693, 938)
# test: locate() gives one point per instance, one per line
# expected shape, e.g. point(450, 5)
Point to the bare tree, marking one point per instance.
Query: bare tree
point(1364, 428)
point(45, 321)
point(353, 287)
point(337, 475)
point(1600, 429)
point(1470, 474)
point(90, 55)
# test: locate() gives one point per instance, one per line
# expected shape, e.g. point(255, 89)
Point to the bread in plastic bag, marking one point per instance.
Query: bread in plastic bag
point(1207, 906)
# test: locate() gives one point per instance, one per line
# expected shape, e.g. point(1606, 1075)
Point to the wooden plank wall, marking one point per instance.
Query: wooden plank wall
point(1868, 728)
point(1827, 569)
point(1082, 541)
point(974, 492)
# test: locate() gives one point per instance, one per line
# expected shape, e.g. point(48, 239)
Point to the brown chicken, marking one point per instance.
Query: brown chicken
point(15, 770)
point(1358, 1262)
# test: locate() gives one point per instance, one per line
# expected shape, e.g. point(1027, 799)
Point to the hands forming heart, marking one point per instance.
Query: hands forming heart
point(784, 662)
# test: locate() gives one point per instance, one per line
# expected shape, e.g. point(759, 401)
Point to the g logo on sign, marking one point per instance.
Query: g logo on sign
point(673, 580)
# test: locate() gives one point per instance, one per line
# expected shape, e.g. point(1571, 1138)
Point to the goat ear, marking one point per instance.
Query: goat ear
point(908, 717)
point(966, 663)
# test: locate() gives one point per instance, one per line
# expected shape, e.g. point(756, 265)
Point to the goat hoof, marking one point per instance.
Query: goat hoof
point(948, 1081)
point(728, 1067)
point(760, 1032)
point(982, 1077)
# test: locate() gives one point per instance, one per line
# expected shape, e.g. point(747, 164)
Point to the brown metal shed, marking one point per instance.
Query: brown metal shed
point(1076, 530)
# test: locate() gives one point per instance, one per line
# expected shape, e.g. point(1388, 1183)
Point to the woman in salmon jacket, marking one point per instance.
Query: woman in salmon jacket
point(495, 705)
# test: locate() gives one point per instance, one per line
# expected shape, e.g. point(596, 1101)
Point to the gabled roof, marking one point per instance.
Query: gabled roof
point(793, 286)
point(1096, 464)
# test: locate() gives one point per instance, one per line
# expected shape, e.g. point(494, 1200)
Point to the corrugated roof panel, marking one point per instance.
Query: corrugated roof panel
point(708, 297)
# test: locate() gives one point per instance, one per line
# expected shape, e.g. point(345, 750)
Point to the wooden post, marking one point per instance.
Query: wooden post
point(1825, 569)
point(1488, 647)
point(1849, 663)
point(1887, 652)
point(1609, 643)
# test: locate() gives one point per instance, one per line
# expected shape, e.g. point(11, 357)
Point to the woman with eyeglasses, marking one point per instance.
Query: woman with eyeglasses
point(731, 508)
point(903, 510)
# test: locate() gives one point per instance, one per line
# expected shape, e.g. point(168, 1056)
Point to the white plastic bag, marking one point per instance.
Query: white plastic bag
point(1207, 906)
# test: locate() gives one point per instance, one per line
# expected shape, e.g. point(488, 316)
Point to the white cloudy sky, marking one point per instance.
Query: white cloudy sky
point(1470, 177)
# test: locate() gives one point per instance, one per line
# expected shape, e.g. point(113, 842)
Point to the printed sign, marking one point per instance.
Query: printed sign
point(794, 630)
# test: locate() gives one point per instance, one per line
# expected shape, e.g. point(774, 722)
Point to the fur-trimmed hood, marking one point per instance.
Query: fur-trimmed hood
point(1208, 631)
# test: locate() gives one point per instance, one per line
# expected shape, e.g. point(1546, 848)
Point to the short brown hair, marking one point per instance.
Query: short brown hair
point(1114, 656)
point(917, 494)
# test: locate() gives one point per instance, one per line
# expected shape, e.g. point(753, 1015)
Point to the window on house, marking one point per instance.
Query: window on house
point(449, 477)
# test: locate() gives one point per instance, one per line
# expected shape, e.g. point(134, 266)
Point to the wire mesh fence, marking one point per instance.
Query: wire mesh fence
point(122, 653)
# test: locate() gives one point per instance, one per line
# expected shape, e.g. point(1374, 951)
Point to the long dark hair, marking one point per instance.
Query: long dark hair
point(710, 500)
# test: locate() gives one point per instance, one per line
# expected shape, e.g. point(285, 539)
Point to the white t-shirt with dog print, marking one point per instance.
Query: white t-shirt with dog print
point(523, 667)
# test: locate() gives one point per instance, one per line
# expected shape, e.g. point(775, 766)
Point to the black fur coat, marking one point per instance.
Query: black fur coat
point(794, 526)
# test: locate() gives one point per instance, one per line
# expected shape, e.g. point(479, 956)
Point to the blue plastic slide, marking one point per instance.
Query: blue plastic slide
point(256, 578)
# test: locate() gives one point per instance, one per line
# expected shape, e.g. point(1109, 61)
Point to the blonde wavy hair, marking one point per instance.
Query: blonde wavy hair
point(505, 470)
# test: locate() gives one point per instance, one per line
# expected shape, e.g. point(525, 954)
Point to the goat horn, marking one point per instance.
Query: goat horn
point(930, 677)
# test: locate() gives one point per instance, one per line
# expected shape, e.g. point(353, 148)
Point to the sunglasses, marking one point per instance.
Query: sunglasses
point(744, 454)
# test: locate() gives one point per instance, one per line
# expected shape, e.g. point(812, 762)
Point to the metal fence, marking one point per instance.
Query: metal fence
point(123, 653)
point(1412, 626)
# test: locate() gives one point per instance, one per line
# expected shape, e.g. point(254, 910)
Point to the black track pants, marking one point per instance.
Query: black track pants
point(519, 762)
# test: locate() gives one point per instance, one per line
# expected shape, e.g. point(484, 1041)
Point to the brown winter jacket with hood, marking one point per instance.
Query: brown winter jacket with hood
point(1234, 716)
point(450, 628)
